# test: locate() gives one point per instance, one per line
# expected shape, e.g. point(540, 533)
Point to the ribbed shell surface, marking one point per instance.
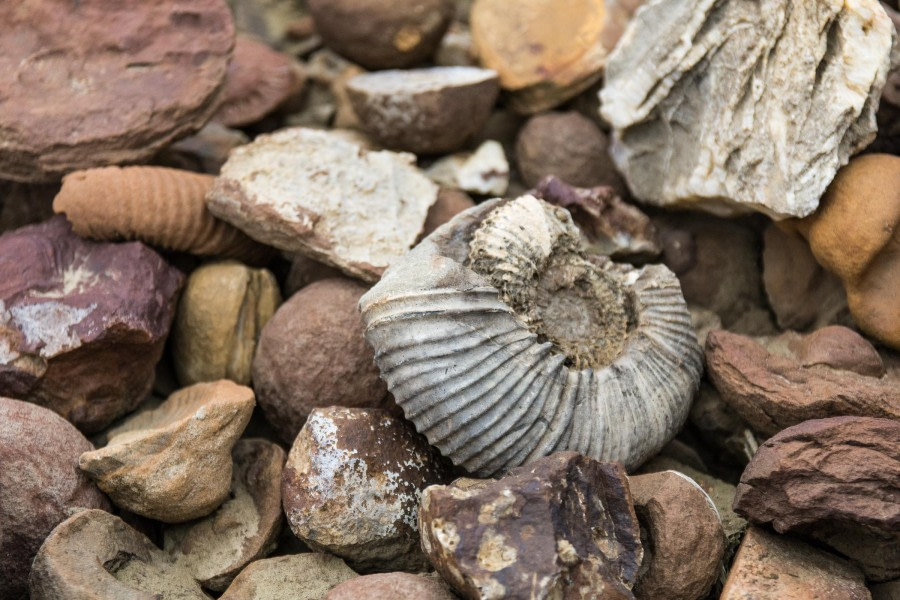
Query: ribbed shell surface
point(490, 396)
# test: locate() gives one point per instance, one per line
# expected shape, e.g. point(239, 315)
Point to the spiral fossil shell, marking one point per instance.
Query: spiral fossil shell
point(503, 343)
point(157, 205)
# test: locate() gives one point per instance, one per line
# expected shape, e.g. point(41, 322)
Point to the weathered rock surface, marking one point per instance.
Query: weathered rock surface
point(111, 83)
point(392, 586)
point(306, 576)
point(220, 317)
point(836, 480)
point(313, 192)
point(682, 537)
point(786, 380)
point(450, 203)
point(82, 324)
point(484, 172)
point(173, 463)
point(738, 106)
point(312, 353)
point(94, 555)
point(773, 566)
point(244, 528)
point(561, 527)
point(39, 486)
point(352, 484)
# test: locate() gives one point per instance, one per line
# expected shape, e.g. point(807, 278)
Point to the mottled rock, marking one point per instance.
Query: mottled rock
point(82, 324)
point(221, 314)
point(836, 480)
point(392, 586)
point(774, 566)
point(561, 527)
point(352, 484)
point(39, 486)
point(450, 203)
point(791, 378)
point(244, 528)
point(738, 106)
point(173, 463)
point(111, 83)
point(682, 536)
point(484, 172)
point(93, 555)
point(315, 193)
point(312, 353)
point(306, 576)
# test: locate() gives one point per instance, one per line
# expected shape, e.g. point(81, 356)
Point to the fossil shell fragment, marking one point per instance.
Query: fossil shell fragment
point(503, 343)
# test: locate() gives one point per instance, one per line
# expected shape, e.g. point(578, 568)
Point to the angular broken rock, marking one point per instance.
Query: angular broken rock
point(683, 542)
point(244, 528)
point(94, 555)
point(352, 484)
point(484, 172)
point(111, 83)
point(738, 106)
point(789, 379)
point(313, 192)
point(40, 485)
point(173, 463)
point(82, 324)
point(775, 566)
point(392, 586)
point(835, 480)
point(306, 576)
point(560, 527)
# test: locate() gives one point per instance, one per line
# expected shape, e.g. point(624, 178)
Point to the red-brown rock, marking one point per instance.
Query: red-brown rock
point(561, 527)
point(450, 202)
point(82, 324)
point(40, 485)
point(391, 586)
point(836, 480)
point(101, 82)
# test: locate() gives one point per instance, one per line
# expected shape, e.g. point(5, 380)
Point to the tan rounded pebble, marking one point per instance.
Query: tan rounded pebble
point(306, 576)
point(392, 586)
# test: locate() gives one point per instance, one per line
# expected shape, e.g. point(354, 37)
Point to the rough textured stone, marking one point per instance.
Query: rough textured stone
point(789, 379)
point(484, 172)
point(82, 324)
point(561, 527)
point(738, 106)
point(215, 548)
point(352, 484)
point(173, 463)
point(221, 314)
point(306, 576)
point(93, 555)
point(391, 586)
point(450, 203)
point(774, 566)
point(682, 536)
point(313, 192)
point(836, 480)
point(111, 83)
point(312, 353)
point(39, 486)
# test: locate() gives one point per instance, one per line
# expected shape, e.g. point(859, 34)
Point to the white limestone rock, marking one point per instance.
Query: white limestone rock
point(731, 105)
point(485, 171)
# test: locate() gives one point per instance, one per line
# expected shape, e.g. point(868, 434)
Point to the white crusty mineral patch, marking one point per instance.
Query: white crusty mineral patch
point(485, 171)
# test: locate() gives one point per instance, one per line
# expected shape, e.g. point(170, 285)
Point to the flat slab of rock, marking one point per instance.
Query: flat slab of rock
point(112, 82)
point(774, 566)
point(306, 576)
point(82, 324)
point(315, 193)
point(392, 586)
point(836, 480)
point(561, 527)
point(738, 106)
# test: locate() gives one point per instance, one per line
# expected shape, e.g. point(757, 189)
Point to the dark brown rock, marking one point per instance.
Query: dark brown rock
point(111, 83)
point(801, 377)
point(886, 591)
point(774, 566)
point(682, 536)
point(39, 485)
point(351, 487)
point(23, 204)
point(836, 480)
point(304, 271)
point(720, 427)
point(561, 527)
point(450, 202)
point(391, 586)
point(312, 353)
point(82, 324)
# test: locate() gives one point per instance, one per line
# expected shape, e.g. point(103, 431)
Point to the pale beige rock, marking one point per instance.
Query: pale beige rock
point(730, 106)
point(485, 171)
point(315, 193)
point(222, 311)
point(173, 463)
point(306, 576)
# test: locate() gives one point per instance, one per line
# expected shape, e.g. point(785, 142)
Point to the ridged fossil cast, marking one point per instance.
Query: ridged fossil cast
point(503, 342)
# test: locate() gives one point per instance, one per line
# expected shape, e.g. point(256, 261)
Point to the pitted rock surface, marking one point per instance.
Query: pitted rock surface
point(306, 576)
point(392, 586)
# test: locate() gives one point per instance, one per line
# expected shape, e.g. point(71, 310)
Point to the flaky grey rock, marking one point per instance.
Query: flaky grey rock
point(744, 105)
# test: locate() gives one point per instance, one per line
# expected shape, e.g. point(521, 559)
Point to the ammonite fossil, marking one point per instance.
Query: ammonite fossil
point(503, 342)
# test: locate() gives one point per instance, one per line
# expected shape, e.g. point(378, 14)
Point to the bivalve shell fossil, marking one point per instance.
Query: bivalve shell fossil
point(503, 342)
